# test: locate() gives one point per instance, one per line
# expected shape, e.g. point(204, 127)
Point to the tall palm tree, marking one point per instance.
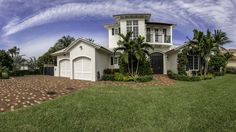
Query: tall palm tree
point(125, 45)
point(13, 51)
point(32, 63)
point(141, 50)
point(196, 46)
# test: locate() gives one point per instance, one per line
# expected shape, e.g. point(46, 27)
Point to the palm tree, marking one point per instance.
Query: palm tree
point(196, 46)
point(207, 44)
point(125, 46)
point(141, 50)
point(133, 51)
point(18, 61)
point(32, 63)
point(13, 51)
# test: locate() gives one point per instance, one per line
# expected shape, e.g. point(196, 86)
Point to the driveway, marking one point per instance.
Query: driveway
point(29, 90)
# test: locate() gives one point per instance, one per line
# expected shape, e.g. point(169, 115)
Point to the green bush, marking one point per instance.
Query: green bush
point(110, 71)
point(5, 75)
point(145, 78)
point(119, 77)
point(24, 72)
point(188, 78)
point(231, 70)
point(108, 77)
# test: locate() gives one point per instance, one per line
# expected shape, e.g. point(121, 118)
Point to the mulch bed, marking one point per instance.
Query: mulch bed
point(29, 90)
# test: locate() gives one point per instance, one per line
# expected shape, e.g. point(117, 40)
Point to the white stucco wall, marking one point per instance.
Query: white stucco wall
point(60, 58)
point(172, 62)
point(83, 50)
point(102, 62)
point(113, 39)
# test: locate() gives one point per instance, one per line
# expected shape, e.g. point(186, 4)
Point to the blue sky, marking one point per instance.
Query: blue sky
point(35, 25)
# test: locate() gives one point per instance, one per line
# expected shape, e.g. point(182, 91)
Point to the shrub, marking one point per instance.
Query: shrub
point(5, 75)
point(119, 77)
point(231, 70)
point(145, 78)
point(182, 62)
point(108, 77)
point(110, 71)
point(188, 78)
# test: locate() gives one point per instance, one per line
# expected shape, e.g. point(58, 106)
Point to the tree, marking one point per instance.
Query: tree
point(32, 63)
point(207, 44)
point(62, 43)
point(125, 46)
point(133, 51)
point(141, 50)
point(18, 61)
point(5, 60)
point(13, 51)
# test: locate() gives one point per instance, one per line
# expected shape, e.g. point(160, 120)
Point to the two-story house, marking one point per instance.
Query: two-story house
point(85, 60)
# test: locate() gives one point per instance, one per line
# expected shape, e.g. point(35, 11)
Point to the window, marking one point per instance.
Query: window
point(117, 31)
point(115, 60)
point(132, 26)
point(193, 63)
point(156, 35)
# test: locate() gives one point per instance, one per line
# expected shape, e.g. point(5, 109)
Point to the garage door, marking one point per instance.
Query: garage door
point(82, 69)
point(65, 68)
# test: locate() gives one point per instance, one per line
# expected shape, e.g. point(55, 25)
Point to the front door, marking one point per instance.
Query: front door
point(157, 63)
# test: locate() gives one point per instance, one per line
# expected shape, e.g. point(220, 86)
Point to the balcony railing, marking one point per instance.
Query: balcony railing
point(158, 38)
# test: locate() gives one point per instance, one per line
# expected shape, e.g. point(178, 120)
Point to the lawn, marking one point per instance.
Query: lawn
point(185, 106)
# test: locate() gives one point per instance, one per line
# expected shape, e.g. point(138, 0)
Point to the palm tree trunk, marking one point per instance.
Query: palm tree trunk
point(206, 66)
point(137, 67)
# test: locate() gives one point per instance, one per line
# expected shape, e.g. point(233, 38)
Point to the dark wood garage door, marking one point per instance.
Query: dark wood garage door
point(157, 63)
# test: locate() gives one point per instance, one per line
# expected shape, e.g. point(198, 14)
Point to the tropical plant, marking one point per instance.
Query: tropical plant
point(14, 51)
point(141, 50)
point(207, 44)
point(32, 63)
point(133, 52)
point(18, 61)
point(62, 43)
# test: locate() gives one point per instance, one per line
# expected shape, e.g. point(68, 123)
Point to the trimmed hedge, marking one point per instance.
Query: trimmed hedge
point(231, 70)
point(110, 71)
point(5, 75)
point(125, 78)
point(188, 78)
point(108, 77)
point(24, 72)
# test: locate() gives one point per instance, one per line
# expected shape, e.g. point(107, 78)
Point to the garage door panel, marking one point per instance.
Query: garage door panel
point(82, 69)
point(65, 68)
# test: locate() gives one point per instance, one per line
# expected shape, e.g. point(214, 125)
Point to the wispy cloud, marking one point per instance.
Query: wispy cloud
point(187, 14)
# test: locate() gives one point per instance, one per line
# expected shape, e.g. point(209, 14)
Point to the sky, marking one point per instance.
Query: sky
point(36, 25)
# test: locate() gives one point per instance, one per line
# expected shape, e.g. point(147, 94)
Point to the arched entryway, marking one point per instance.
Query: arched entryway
point(157, 63)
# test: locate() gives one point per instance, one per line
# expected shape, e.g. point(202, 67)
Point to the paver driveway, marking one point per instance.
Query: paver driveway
point(30, 90)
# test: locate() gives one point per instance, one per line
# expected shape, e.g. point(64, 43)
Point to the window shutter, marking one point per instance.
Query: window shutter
point(113, 31)
point(111, 60)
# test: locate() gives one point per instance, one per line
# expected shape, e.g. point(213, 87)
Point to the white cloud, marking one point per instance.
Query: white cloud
point(187, 14)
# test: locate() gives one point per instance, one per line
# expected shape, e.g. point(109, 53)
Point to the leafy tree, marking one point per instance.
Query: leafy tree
point(5, 60)
point(62, 43)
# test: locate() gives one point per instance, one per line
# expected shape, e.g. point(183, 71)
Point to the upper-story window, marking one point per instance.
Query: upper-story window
point(132, 26)
point(115, 31)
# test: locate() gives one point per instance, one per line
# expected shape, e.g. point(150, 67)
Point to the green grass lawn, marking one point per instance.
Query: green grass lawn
point(186, 106)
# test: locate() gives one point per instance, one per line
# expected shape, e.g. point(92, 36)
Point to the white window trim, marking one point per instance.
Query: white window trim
point(193, 69)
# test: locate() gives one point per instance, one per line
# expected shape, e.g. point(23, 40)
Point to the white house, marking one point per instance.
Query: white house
point(85, 60)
